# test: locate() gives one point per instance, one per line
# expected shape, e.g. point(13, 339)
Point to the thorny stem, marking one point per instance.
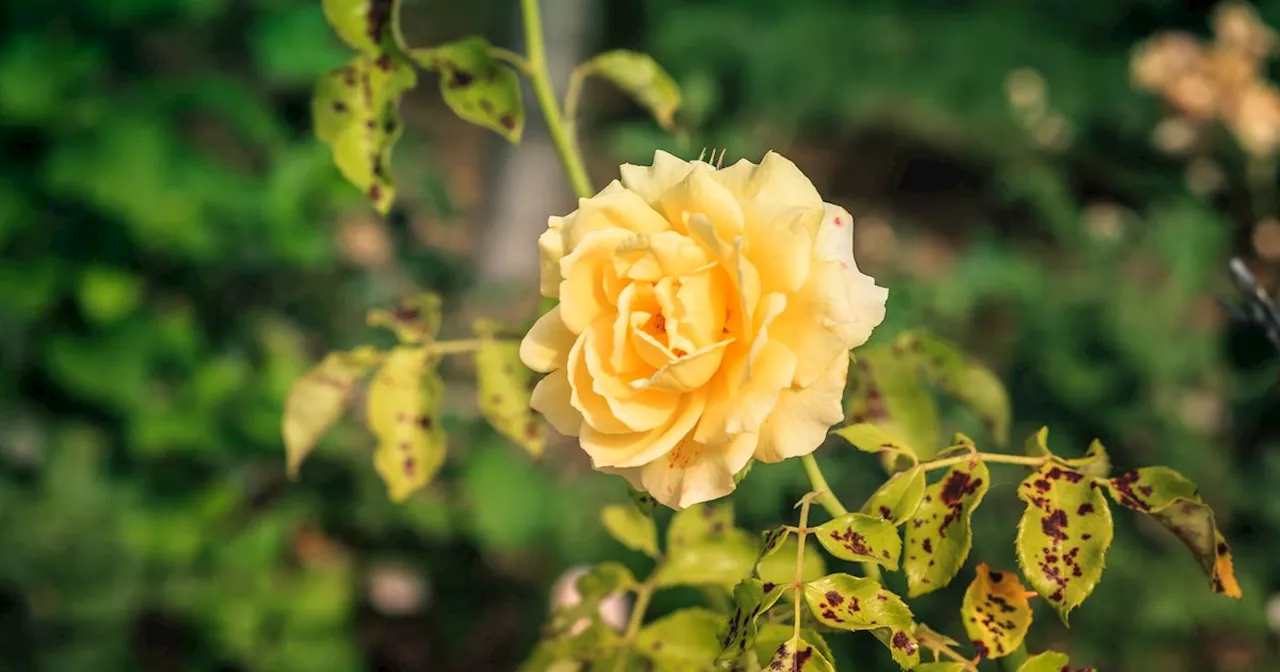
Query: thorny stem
point(541, 82)
point(832, 504)
point(925, 635)
point(644, 592)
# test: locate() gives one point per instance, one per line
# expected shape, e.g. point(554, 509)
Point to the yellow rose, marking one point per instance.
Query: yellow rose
point(705, 317)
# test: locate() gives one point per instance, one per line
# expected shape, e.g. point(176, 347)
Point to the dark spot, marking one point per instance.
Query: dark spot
point(834, 598)
point(958, 484)
point(383, 63)
point(1086, 536)
point(377, 19)
point(769, 586)
point(1222, 548)
point(902, 641)
point(1085, 509)
point(339, 107)
point(927, 545)
point(410, 466)
point(486, 106)
point(508, 122)
point(389, 126)
point(802, 658)
point(996, 577)
point(853, 541)
point(375, 192)
point(1053, 523)
point(460, 78)
point(1041, 485)
point(886, 513)
point(424, 421)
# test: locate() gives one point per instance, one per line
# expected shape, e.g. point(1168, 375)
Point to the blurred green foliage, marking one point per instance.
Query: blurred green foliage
point(167, 269)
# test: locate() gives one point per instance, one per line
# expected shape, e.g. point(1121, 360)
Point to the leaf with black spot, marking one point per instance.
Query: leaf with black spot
point(942, 666)
point(720, 561)
point(317, 399)
point(1063, 535)
point(798, 655)
point(414, 321)
point(368, 26)
point(640, 77)
point(751, 598)
point(699, 523)
point(503, 387)
point(403, 410)
point(872, 439)
point(860, 537)
point(1175, 502)
point(857, 603)
point(631, 528)
point(478, 88)
point(958, 375)
point(996, 612)
point(780, 566)
point(898, 498)
point(1050, 661)
point(1095, 463)
point(884, 391)
point(644, 502)
point(938, 538)
point(685, 639)
point(773, 635)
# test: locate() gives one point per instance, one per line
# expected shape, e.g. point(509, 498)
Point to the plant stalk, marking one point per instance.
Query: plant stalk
point(536, 55)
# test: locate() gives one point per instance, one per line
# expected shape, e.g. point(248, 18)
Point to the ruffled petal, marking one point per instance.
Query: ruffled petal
point(551, 399)
point(547, 344)
point(803, 415)
point(694, 473)
point(633, 449)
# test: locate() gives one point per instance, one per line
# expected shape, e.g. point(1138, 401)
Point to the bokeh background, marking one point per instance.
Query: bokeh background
point(176, 248)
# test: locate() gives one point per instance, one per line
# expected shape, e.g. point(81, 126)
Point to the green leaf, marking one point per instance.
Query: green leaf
point(1172, 499)
point(773, 635)
point(959, 376)
point(772, 541)
point(723, 560)
point(797, 655)
point(640, 77)
point(996, 612)
point(859, 537)
point(851, 603)
point(686, 639)
point(503, 386)
point(941, 667)
point(414, 321)
point(365, 25)
point(593, 587)
point(643, 501)
point(1050, 661)
point(1095, 463)
point(1063, 536)
point(316, 400)
point(884, 391)
point(751, 597)
point(872, 439)
point(355, 111)
point(898, 499)
point(631, 528)
point(403, 412)
point(938, 537)
point(699, 523)
point(567, 653)
point(780, 567)
point(477, 87)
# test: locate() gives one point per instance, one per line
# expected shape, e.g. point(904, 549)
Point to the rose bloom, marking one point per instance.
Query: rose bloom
point(705, 318)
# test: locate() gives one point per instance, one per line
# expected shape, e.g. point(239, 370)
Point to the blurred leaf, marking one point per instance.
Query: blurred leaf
point(698, 523)
point(108, 294)
point(367, 26)
point(856, 603)
point(477, 87)
point(685, 639)
point(780, 567)
point(567, 653)
point(971, 383)
point(773, 635)
point(404, 414)
point(938, 537)
point(295, 46)
point(872, 439)
point(599, 582)
point(1063, 536)
point(1095, 463)
point(1172, 499)
point(885, 392)
point(643, 501)
point(503, 386)
point(771, 541)
point(941, 667)
point(1049, 661)
point(631, 528)
point(414, 321)
point(995, 612)
point(898, 499)
point(797, 655)
point(859, 537)
point(751, 598)
point(640, 77)
point(317, 400)
point(723, 560)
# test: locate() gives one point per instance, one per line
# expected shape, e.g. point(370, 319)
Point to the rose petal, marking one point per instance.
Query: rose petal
point(800, 421)
point(633, 449)
point(756, 398)
point(650, 182)
point(638, 409)
point(582, 292)
point(613, 208)
point(547, 344)
point(694, 473)
point(593, 407)
point(687, 373)
point(551, 398)
point(550, 251)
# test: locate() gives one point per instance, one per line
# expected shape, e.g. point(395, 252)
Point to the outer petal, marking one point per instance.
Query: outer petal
point(547, 344)
point(551, 399)
point(694, 473)
point(778, 179)
point(550, 251)
point(612, 208)
point(753, 402)
point(650, 182)
point(700, 194)
point(779, 243)
point(638, 448)
point(803, 416)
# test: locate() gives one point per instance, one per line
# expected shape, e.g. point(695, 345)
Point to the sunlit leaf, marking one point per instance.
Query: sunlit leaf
point(685, 639)
point(644, 502)
point(797, 655)
point(365, 25)
point(642, 78)
point(872, 439)
point(1095, 463)
point(898, 499)
point(780, 567)
point(568, 652)
point(355, 111)
point(1173, 500)
point(773, 635)
point(1063, 536)
point(593, 587)
point(414, 321)
point(751, 598)
point(631, 528)
point(996, 612)
point(477, 87)
point(884, 391)
point(848, 602)
point(403, 410)
point(771, 541)
point(948, 666)
point(317, 400)
point(698, 523)
point(503, 388)
point(720, 561)
point(938, 537)
point(860, 537)
point(959, 376)
point(1051, 661)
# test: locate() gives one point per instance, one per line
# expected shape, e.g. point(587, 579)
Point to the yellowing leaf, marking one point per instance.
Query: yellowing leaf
point(941, 667)
point(317, 399)
point(1095, 463)
point(1063, 536)
point(699, 523)
point(1050, 661)
point(859, 537)
point(996, 612)
point(365, 25)
point(631, 528)
point(642, 78)
point(938, 537)
point(898, 499)
point(355, 110)
point(1173, 500)
point(685, 639)
point(476, 86)
point(751, 598)
point(404, 414)
point(797, 655)
point(884, 391)
point(780, 567)
point(503, 387)
point(574, 650)
point(970, 383)
point(857, 603)
point(720, 561)
point(414, 322)
point(773, 635)
point(872, 439)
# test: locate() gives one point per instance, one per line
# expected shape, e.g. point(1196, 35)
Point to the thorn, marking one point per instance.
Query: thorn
point(1030, 594)
point(720, 162)
point(703, 153)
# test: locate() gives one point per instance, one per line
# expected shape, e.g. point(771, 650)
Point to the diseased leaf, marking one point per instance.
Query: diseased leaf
point(938, 537)
point(355, 111)
point(959, 376)
point(1095, 463)
point(403, 412)
point(859, 537)
point(780, 567)
point(593, 587)
point(1063, 536)
point(686, 639)
point(884, 391)
point(644, 502)
point(1172, 499)
point(503, 387)
point(872, 439)
point(570, 651)
point(699, 523)
point(414, 321)
point(797, 655)
point(631, 528)
point(317, 399)
point(850, 602)
point(723, 560)
point(365, 25)
point(1050, 661)
point(996, 612)
point(642, 78)
point(751, 598)
point(477, 87)
point(773, 635)
point(771, 541)
point(898, 499)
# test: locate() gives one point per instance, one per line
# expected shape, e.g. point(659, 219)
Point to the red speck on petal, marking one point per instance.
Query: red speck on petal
point(838, 222)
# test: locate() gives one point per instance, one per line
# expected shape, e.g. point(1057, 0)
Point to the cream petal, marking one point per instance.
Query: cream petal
point(550, 252)
point(700, 194)
point(650, 182)
point(665, 254)
point(826, 317)
point(633, 449)
point(582, 292)
point(779, 244)
point(701, 305)
point(654, 352)
point(551, 398)
point(694, 473)
point(803, 415)
point(745, 278)
point(687, 373)
point(779, 179)
point(755, 399)
point(612, 208)
point(634, 298)
point(547, 344)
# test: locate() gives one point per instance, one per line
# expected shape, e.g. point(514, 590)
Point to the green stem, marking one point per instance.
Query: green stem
point(541, 81)
point(799, 579)
point(455, 347)
point(1000, 458)
point(832, 504)
point(643, 594)
point(1015, 659)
